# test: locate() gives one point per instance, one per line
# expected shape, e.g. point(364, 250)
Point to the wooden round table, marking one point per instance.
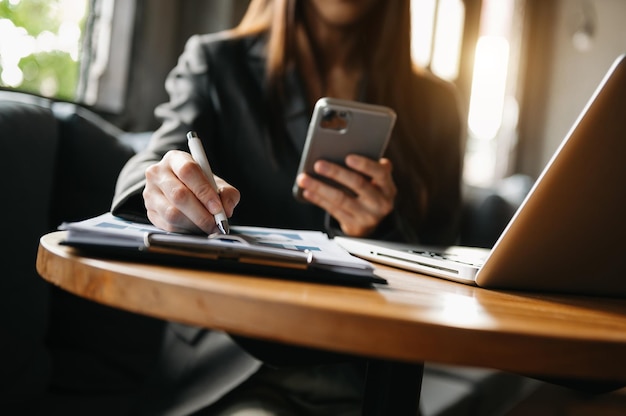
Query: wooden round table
point(413, 319)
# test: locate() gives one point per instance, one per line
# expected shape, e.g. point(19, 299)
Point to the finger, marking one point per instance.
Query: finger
point(372, 196)
point(381, 194)
point(226, 196)
point(354, 218)
point(229, 195)
point(159, 221)
point(379, 172)
point(357, 222)
point(192, 176)
point(350, 179)
point(180, 206)
point(322, 194)
point(163, 215)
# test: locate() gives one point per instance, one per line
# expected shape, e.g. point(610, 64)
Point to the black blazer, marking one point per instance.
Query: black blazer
point(218, 88)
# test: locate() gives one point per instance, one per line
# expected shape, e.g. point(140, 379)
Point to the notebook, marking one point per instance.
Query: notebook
point(293, 254)
point(569, 233)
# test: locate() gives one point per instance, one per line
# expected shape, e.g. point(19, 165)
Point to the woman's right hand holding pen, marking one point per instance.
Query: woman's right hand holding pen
point(179, 198)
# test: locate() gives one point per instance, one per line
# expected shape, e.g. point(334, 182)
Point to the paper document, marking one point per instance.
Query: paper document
point(286, 248)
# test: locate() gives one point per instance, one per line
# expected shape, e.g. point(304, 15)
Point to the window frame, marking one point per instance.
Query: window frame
point(107, 55)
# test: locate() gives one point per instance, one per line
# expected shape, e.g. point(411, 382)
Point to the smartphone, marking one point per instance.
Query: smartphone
point(341, 127)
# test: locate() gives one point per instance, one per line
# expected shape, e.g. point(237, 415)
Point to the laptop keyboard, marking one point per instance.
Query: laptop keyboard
point(448, 257)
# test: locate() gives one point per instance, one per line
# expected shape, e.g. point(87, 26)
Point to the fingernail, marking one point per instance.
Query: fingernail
point(214, 206)
point(302, 179)
point(321, 167)
point(351, 161)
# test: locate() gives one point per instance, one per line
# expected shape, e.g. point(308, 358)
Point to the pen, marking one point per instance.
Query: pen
point(198, 154)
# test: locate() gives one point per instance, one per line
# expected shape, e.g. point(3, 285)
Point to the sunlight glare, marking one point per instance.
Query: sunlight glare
point(488, 86)
point(464, 310)
point(69, 38)
point(73, 10)
point(16, 43)
point(448, 39)
point(422, 24)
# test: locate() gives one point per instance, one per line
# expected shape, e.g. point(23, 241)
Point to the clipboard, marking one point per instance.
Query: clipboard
point(227, 248)
point(272, 252)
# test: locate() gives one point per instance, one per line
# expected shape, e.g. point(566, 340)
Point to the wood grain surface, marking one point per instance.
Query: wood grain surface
point(415, 318)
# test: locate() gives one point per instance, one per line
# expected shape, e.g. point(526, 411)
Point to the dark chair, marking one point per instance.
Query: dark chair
point(60, 354)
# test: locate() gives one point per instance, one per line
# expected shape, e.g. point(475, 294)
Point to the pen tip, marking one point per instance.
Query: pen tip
point(223, 226)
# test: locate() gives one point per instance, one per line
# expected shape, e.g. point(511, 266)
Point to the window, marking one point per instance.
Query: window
point(74, 50)
point(40, 45)
point(437, 35)
point(493, 107)
point(492, 119)
point(107, 55)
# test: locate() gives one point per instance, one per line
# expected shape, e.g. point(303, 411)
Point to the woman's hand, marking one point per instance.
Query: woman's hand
point(370, 180)
point(179, 198)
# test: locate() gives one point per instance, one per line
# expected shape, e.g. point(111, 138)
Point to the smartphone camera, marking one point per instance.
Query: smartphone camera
point(335, 120)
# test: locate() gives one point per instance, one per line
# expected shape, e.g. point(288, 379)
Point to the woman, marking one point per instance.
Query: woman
point(249, 94)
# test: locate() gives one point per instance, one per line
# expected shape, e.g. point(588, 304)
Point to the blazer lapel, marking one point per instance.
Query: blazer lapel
point(296, 112)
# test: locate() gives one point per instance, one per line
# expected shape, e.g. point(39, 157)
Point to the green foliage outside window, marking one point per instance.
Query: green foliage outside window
point(40, 45)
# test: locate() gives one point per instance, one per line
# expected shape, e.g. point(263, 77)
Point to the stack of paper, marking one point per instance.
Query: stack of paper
point(284, 248)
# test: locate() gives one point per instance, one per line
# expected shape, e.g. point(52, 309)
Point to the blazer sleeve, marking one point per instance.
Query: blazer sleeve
point(189, 105)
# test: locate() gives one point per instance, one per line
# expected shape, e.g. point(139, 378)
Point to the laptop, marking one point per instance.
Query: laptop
point(569, 233)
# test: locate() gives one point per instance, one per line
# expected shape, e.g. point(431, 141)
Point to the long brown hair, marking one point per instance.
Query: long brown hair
point(392, 80)
point(387, 47)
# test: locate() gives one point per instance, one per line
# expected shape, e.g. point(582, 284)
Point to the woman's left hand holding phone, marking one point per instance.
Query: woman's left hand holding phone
point(179, 198)
point(372, 183)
